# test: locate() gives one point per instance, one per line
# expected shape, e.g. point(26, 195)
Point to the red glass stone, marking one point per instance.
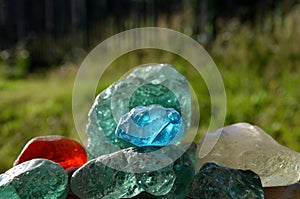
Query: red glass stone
point(59, 149)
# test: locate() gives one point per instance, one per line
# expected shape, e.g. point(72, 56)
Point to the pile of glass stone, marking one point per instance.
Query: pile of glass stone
point(137, 148)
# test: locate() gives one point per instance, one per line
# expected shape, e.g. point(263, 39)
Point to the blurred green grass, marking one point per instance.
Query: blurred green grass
point(259, 66)
point(33, 107)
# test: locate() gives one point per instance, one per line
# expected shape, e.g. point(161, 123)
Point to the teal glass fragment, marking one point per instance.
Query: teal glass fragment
point(36, 178)
point(213, 181)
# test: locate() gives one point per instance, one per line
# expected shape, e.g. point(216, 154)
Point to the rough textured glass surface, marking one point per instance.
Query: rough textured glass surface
point(245, 146)
point(68, 153)
point(149, 94)
point(213, 181)
point(151, 126)
point(37, 178)
point(191, 151)
point(156, 84)
point(97, 180)
point(184, 171)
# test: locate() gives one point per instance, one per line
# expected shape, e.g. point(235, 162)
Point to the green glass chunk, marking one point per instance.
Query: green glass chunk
point(98, 180)
point(37, 178)
point(149, 94)
point(155, 84)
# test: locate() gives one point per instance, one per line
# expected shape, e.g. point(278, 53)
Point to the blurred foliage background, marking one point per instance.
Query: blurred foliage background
point(255, 45)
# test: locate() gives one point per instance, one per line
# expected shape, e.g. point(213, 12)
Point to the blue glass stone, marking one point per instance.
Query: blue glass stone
point(151, 126)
